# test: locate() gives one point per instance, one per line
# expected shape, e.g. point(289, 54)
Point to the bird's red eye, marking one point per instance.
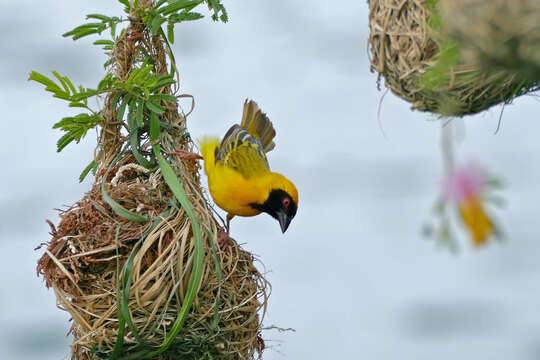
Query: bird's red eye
point(286, 202)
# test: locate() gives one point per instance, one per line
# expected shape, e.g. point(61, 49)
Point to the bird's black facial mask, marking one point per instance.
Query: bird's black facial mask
point(280, 206)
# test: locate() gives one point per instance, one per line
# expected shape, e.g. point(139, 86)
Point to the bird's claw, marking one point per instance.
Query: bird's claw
point(186, 155)
point(224, 240)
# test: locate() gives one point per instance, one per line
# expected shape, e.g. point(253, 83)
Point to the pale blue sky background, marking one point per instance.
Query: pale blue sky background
point(352, 274)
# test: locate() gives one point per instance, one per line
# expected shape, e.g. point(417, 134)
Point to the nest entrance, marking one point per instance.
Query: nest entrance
point(92, 243)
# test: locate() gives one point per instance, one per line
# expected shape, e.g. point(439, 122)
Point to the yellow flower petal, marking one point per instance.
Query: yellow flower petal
point(476, 220)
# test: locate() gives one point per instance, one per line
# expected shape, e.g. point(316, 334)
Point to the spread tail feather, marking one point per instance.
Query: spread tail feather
point(258, 124)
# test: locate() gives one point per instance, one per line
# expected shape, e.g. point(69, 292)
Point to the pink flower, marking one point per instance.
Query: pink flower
point(464, 187)
point(464, 182)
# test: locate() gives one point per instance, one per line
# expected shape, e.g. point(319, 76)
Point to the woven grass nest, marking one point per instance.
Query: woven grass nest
point(423, 66)
point(83, 262)
point(128, 285)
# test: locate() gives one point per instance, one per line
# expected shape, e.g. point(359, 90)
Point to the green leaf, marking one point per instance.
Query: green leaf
point(178, 5)
point(124, 2)
point(140, 113)
point(64, 141)
point(104, 42)
point(167, 80)
point(122, 108)
point(85, 30)
point(140, 73)
point(113, 31)
point(164, 97)
point(190, 7)
point(185, 16)
point(93, 25)
point(70, 84)
point(42, 79)
point(84, 94)
point(134, 143)
point(91, 167)
point(224, 17)
point(76, 121)
point(156, 24)
point(62, 95)
point(98, 17)
point(106, 83)
point(154, 107)
point(76, 128)
point(62, 81)
point(170, 32)
point(82, 34)
point(218, 8)
point(154, 127)
point(131, 112)
point(77, 104)
point(159, 3)
point(115, 99)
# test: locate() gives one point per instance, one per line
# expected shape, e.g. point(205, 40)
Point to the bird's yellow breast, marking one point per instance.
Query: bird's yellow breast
point(234, 193)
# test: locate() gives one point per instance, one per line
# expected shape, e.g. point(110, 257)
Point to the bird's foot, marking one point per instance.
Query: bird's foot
point(224, 240)
point(186, 155)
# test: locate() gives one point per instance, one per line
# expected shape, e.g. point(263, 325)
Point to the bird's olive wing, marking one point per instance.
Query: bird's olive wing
point(242, 152)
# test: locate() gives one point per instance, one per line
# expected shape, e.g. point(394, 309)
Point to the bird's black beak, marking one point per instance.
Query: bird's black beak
point(284, 220)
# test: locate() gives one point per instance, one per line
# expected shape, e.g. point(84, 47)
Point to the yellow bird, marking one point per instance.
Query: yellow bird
point(239, 176)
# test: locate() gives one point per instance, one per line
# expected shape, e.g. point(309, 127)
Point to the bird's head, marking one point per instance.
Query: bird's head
point(281, 203)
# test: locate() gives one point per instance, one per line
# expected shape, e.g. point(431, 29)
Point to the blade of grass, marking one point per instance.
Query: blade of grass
point(122, 108)
point(215, 320)
point(123, 302)
point(121, 321)
point(92, 166)
point(140, 113)
point(122, 298)
point(134, 143)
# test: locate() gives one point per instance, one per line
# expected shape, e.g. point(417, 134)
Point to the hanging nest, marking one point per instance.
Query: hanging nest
point(142, 274)
point(498, 34)
point(91, 245)
point(423, 66)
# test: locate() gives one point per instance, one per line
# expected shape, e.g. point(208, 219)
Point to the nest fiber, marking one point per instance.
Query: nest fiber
point(424, 67)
